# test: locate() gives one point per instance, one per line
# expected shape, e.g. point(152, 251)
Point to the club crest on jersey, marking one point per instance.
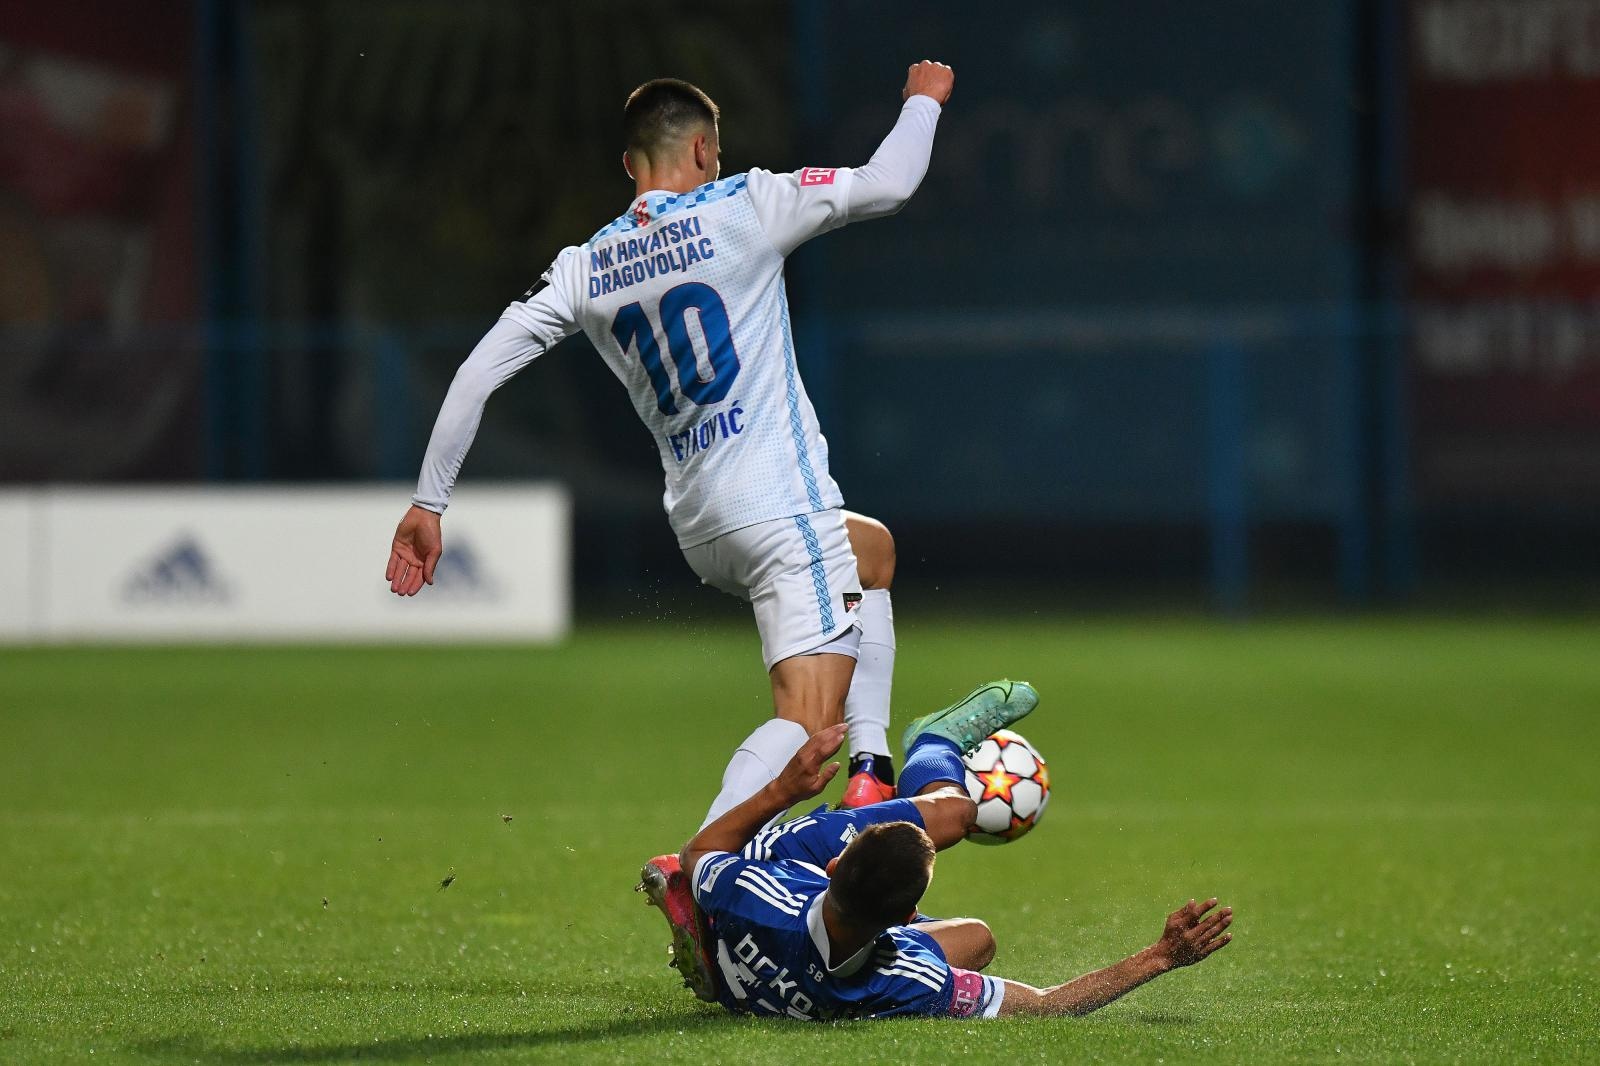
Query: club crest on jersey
point(641, 213)
point(817, 176)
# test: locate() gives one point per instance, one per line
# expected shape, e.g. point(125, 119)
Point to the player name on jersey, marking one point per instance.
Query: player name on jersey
point(673, 248)
point(696, 439)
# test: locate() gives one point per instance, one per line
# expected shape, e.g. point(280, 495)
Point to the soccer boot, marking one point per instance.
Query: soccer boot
point(864, 789)
point(667, 887)
point(865, 785)
point(967, 722)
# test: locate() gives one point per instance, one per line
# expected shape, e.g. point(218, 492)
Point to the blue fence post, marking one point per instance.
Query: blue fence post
point(1394, 442)
point(208, 179)
point(1354, 530)
point(391, 406)
point(1227, 503)
point(1393, 394)
point(253, 381)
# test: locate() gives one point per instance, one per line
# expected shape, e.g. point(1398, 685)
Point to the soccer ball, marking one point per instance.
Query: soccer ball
point(1007, 779)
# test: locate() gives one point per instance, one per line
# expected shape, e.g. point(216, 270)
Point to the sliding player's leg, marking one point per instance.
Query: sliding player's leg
point(934, 774)
point(932, 786)
point(871, 772)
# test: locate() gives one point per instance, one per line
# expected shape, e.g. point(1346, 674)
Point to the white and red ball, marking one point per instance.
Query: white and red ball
point(1008, 780)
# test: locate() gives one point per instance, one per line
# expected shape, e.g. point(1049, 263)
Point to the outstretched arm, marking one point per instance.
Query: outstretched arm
point(803, 777)
point(417, 544)
point(527, 329)
point(793, 208)
point(1191, 935)
point(889, 179)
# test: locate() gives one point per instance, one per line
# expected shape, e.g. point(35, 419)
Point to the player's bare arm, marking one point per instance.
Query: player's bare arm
point(805, 775)
point(1193, 933)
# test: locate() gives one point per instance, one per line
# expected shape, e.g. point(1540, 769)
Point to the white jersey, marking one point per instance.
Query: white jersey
point(683, 296)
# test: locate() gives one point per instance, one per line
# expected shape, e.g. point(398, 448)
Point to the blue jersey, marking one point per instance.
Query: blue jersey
point(821, 836)
point(771, 951)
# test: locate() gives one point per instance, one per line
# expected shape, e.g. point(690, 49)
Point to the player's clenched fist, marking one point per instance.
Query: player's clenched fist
point(930, 79)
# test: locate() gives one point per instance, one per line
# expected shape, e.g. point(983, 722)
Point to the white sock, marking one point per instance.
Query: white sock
point(759, 760)
point(866, 707)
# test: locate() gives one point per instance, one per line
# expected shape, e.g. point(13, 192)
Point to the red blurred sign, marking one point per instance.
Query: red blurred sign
point(99, 377)
point(1505, 248)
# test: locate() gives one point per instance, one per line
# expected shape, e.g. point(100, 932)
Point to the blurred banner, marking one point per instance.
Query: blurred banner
point(1505, 250)
point(1126, 282)
point(100, 369)
point(281, 564)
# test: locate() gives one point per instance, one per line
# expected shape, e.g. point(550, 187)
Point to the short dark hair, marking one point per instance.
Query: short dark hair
point(882, 874)
point(662, 111)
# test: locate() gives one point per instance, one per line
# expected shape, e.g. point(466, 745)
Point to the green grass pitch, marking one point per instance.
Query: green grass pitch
point(236, 856)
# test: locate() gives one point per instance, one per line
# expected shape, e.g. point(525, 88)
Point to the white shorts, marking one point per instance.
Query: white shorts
point(798, 573)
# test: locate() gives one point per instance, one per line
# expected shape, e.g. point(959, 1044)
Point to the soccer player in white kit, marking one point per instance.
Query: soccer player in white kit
point(683, 296)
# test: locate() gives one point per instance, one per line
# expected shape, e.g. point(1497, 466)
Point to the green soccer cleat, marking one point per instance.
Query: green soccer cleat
point(967, 722)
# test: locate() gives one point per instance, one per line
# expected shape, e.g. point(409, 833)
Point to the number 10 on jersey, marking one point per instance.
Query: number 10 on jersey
point(632, 328)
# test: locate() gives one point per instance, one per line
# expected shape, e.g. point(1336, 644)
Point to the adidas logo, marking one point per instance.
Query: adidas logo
point(180, 574)
point(462, 575)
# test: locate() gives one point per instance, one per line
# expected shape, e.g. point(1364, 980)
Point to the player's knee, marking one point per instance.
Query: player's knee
point(873, 545)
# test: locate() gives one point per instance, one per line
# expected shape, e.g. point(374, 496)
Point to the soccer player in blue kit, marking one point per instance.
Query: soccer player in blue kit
point(683, 297)
point(816, 918)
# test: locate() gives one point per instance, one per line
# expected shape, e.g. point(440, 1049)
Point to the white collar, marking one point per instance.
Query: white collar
point(819, 937)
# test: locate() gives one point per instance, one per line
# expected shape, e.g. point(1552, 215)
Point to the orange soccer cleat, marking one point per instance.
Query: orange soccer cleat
point(864, 789)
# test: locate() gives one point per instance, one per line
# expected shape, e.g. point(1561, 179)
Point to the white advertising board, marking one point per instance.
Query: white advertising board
point(17, 605)
point(238, 564)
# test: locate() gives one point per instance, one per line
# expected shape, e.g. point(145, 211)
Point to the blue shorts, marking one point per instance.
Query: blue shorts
point(819, 837)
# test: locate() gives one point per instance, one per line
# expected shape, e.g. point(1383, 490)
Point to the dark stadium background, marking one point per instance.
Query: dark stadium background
point(1234, 304)
point(1234, 378)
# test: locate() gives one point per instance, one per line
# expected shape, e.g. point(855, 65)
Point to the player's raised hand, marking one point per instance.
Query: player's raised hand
point(415, 552)
point(806, 775)
point(1194, 931)
point(930, 79)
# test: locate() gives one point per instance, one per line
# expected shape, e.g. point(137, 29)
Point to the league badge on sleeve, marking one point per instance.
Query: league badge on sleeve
point(543, 282)
point(817, 176)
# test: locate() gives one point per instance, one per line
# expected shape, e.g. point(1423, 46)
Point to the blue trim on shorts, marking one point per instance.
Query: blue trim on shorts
point(819, 573)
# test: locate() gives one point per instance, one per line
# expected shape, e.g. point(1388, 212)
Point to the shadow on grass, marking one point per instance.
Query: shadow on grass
point(415, 1047)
